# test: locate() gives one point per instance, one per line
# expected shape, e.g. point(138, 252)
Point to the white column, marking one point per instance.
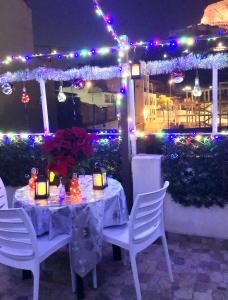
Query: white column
point(214, 100)
point(44, 105)
point(131, 110)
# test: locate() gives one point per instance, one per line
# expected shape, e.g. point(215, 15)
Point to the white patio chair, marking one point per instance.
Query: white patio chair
point(19, 246)
point(3, 196)
point(145, 226)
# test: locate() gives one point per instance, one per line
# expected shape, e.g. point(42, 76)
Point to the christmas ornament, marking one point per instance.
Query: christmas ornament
point(33, 178)
point(197, 92)
point(7, 89)
point(177, 76)
point(61, 95)
point(78, 83)
point(25, 97)
point(75, 190)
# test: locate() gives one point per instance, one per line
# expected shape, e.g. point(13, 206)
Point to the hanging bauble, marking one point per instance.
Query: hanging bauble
point(78, 83)
point(7, 89)
point(25, 97)
point(61, 96)
point(177, 76)
point(197, 92)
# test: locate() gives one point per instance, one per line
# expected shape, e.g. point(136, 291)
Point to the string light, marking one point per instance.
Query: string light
point(116, 50)
point(191, 138)
point(82, 53)
point(104, 137)
point(108, 20)
point(180, 41)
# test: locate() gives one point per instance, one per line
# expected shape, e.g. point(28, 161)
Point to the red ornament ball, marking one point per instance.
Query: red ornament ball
point(25, 98)
point(78, 83)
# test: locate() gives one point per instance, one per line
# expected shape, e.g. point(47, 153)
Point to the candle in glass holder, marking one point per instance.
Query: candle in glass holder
point(41, 188)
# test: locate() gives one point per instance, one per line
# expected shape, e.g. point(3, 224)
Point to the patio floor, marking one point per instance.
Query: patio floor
point(200, 267)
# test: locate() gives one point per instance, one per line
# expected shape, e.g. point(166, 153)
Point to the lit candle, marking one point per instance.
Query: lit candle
point(42, 188)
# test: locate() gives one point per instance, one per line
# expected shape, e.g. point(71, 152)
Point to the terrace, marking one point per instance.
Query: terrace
point(72, 198)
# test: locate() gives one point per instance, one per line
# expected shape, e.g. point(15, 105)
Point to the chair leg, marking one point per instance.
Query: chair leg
point(135, 276)
point(73, 281)
point(36, 282)
point(167, 257)
point(94, 273)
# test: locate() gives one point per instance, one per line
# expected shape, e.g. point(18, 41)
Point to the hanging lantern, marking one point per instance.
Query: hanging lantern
point(41, 188)
point(197, 92)
point(33, 178)
point(51, 176)
point(99, 178)
point(135, 71)
point(78, 83)
point(177, 76)
point(61, 95)
point(25, 97)
point(7, 89)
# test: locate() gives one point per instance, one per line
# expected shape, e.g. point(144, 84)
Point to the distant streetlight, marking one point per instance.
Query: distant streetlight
point(170, 82)
point(187, 88)
point(88, 84)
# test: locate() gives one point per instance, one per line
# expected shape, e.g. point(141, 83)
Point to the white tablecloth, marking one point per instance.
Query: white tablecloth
point(83, 218)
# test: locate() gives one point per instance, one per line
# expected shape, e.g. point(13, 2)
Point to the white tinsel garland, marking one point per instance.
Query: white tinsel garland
point(86, 73)
point(190, 62)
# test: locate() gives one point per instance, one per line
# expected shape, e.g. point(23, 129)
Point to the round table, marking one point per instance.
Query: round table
point(83, 217)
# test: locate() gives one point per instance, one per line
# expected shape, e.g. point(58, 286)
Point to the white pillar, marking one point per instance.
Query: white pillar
point(44, 105)
point(214, 100)
point(131, 110)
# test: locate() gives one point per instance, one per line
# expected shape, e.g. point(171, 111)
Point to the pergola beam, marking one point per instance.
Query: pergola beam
point(44, 105)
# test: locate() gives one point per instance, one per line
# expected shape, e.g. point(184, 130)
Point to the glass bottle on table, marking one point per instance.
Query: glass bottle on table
point(61, 191)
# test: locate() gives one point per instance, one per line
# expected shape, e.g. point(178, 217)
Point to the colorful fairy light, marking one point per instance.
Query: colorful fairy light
point(108, 20)
point(117, 50)
point(81, 53)
point(191, 138)
point(103, 137)
point(180, 41)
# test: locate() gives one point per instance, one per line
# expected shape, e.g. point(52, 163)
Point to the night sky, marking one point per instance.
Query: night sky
point(72, 24)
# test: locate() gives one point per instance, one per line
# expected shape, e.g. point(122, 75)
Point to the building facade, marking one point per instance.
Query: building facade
point(16, 31)
point(156, 111)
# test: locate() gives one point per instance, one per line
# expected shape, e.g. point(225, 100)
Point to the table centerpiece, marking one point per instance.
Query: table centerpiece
point(67, 152)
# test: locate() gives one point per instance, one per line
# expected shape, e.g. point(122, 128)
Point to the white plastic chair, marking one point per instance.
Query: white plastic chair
point(19, 246)
point(3, 196)
point(145, 226)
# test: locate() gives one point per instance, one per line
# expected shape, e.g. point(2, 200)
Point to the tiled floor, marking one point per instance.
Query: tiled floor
point(200, 267)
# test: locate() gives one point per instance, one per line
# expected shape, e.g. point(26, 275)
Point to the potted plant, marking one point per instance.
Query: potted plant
point(67, 151)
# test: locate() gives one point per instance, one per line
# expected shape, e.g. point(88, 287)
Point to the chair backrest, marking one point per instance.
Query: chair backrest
point(17, 235)
point(147, 215)
point(3, 196)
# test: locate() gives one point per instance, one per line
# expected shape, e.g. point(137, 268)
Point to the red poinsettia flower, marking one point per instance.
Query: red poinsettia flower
point(67, 148)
